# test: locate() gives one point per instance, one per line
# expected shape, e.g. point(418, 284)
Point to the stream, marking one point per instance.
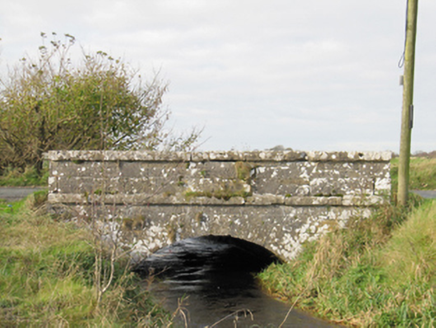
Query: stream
point(211, 280)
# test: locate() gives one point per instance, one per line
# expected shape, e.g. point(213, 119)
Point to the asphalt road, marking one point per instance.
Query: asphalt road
point(12, 194)
point(425, 193)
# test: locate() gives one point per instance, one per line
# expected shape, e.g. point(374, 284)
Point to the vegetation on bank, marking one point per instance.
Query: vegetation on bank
point(377, 272)
point(48, 276)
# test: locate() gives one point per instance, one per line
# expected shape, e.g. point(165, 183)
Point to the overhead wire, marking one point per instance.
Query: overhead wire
point(403, 56)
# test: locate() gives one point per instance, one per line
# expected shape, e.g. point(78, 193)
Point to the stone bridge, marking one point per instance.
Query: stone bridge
point(277, 199)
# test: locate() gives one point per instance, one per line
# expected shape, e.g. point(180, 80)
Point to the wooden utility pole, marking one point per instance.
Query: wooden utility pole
point(407, 114)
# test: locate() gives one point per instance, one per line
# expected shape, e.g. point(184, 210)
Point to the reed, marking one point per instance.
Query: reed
point(47, 277)
point(378, 272)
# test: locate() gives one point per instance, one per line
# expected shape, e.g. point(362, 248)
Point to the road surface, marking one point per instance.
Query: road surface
point(425, 193)
point(12, 194)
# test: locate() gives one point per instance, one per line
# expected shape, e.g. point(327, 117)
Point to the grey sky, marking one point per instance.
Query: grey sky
point(310, 75)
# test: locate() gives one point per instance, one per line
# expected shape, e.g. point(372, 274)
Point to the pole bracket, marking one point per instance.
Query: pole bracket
point(411, 109)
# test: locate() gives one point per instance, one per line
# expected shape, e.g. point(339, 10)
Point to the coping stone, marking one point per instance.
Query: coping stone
point(255, 156)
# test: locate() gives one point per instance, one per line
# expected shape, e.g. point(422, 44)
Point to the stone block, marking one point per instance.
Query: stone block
point(371, 200)
point(84, 169)
point(113, 156)
point(351, 156)
point(220, 170)
point(171, 171)
point(265, 200)
point(313, 201)
point(223, 187)
point(347, 170)
point(283, 179)
point(341, 186)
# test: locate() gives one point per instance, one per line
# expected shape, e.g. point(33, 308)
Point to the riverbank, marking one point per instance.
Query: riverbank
point(51, 273)
point(379, 272)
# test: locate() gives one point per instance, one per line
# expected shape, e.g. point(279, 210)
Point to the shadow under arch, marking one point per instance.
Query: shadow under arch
point(211, 280)
point(209, 253)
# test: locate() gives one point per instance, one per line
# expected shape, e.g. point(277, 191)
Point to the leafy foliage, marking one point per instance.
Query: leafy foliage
point(101, 103)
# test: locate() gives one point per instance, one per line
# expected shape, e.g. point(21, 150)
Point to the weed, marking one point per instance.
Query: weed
point(47, 277)
point(16, 177)
point(244, 171)
point(376, 272)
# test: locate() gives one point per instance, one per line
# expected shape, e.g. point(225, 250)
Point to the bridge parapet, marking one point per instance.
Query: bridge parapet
point(278, 199)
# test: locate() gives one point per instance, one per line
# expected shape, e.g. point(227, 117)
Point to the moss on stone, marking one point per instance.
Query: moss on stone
point(243, 170)
point(132, 224)
point(171, 231)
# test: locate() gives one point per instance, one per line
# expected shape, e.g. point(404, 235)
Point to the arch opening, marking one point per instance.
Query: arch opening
point(207, 253)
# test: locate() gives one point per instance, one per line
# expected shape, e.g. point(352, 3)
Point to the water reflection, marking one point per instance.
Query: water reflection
point(213, 275)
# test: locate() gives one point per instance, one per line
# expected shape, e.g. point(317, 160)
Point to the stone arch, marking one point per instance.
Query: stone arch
point(277, 199)
point(156, 227)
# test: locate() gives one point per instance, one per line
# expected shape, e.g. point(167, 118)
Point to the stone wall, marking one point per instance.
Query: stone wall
point(278, 199)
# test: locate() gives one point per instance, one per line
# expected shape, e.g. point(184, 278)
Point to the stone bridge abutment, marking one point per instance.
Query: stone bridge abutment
point(277, 199)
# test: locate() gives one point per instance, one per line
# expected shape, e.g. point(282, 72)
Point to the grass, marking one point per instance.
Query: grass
point(378, 272)
point(422, 174)
point(16, 177)
point(412, 249)
point(47, 277)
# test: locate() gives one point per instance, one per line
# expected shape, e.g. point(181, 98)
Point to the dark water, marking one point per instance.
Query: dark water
point(211, 280)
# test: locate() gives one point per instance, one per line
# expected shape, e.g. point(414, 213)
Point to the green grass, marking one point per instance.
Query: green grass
point(10, 207)
point(16, 177)
point(422, 174)
point(378, 272)
point(47, 277)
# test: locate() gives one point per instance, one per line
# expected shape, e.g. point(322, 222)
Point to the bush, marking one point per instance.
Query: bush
point(101, 103)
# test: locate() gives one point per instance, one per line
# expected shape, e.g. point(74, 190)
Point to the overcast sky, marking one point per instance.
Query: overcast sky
point(305, 74)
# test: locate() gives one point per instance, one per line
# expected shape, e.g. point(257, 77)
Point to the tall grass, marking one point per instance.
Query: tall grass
point(16, 177)
point(47, 277)
point(422, 173)
point(410, 254)
point(379, 272)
